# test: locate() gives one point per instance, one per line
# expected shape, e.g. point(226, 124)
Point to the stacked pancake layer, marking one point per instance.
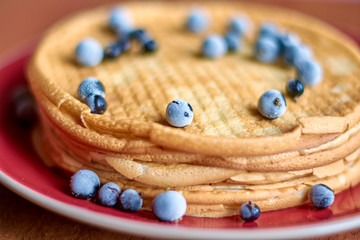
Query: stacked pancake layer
point(229, 154)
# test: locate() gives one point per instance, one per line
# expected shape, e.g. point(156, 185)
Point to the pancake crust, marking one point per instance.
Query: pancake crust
point(326, 153)
point(221, 199)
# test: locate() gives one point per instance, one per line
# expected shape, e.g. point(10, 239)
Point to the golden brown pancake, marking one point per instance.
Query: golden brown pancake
point(230, 153)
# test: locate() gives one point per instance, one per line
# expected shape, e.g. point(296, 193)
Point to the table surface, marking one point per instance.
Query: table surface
point(23, 21)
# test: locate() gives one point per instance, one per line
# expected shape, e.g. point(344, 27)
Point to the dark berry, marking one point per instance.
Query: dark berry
point(124, 45)
point(112, 51)
point(150, 46)
point(137, 34)
point(249, 211)
point(100, 105)
point(294, 88)
point(24, 107)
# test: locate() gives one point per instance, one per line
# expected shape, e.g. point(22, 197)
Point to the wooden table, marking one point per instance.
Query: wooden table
point(23, 21)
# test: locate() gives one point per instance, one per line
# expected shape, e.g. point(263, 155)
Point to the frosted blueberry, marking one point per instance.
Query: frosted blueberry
point(272, 104)
point(294, 88)
point(130, 201)
point(267, 49)
point(90, 86)
point(294, 54)
point(92, 92)
point(84, 184)
point(108, 194)
point(169, 206)
point(239, 25)
point(179, 113)
point(197, 21)
point(233, 41)
point(214, 46)
point(89, 52)
point(321, 196)
point(267, 29)
point(120, 20)
point(249, 211)
point(309, 72)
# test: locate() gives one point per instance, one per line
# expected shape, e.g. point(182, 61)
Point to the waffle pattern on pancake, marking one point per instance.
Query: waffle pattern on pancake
point(223, 92)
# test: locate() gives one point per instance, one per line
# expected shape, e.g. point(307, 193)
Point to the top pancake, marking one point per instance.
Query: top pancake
point(222, 92)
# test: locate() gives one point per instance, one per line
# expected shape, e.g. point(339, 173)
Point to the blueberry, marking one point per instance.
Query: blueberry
point(97, 104)
point(287, 40)
point(84, 184)
point(268, 30)
point(24, 107)
point(108, 194)
point(233, 41)
point(309, 72)
point(296, 53)
point(150, 46)
point(90, 86)
point(124, 44)
point(272, 104)
point(169, 206)
point(249, 211)
point(130, 201)
point(267, 49)
point(112, 50)
point(214, 46)
point(120, 20)
point(137, 34)
point(140, 35)
point(239, 25)
point(197, 21)
point(179, 113)
point(89, 52)
point(294, 88)
point(321, 196)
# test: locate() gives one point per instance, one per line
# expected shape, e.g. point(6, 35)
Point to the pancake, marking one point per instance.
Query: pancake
point(222, 198)
point(222, 92)
point(328, 152)
point(230, 154)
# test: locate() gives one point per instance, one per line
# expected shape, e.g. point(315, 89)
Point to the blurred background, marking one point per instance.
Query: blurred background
point(23, 21)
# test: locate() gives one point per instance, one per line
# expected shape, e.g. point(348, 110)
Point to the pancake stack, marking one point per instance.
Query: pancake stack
point(230, 154)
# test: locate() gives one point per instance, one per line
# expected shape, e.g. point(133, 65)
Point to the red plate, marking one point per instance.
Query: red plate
point(22, 171)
